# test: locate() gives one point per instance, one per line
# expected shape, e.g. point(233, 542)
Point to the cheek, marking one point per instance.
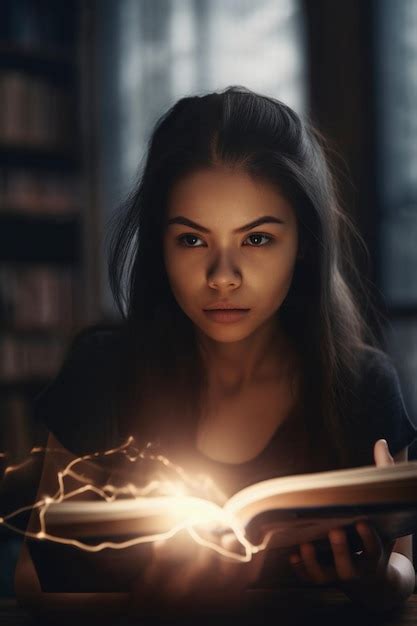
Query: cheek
point(182, 275)
point(275, 288)
point(275, 278)
point(172, 264)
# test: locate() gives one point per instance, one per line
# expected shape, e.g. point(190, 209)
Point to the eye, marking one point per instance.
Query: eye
point(259, 236)
point(181, 240)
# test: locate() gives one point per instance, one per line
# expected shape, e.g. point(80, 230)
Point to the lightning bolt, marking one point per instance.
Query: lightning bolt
point(202, 483)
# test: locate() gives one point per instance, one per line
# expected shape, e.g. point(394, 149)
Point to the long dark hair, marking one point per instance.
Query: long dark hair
point(320, 313)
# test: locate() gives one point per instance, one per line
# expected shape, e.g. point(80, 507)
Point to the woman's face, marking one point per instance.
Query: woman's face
point(210, 256)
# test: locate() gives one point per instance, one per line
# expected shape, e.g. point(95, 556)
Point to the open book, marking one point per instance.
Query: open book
point(286, 510)
point(280, 512)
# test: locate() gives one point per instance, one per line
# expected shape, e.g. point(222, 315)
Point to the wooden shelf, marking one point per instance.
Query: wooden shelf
point(28, 237)
point(33, 155)
point(40, 240)
point(55, 218)
point(57, 331)
point(55, 62)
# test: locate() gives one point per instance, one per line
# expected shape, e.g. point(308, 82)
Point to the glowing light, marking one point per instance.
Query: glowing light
point(170, 499)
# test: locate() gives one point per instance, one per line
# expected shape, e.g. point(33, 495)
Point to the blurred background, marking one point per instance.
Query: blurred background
point(81, 85)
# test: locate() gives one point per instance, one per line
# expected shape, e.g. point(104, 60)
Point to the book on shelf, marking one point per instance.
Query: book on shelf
point(277, 514)
point(43, 194)
point(35, 111)
point(33, 27)
point(30, 358)
point(37, 311)
point(37, 297)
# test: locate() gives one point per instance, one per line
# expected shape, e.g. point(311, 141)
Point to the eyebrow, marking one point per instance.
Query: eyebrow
point(266, 219)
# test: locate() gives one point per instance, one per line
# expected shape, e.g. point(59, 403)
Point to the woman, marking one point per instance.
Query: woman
point(236, 209)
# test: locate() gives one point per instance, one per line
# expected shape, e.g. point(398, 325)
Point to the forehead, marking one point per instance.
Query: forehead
point(214, 189)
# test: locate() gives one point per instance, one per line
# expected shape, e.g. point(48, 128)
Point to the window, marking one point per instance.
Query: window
point(151, 53)
point(396, 57)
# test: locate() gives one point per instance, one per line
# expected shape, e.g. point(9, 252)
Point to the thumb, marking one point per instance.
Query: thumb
point(382, 455)
point(230, 543)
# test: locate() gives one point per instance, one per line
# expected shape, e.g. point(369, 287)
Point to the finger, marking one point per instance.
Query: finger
point(343, 562)
point(229, 542)
point(229, 564)
point(382, 455)
point(317, 572)
point(298, 567)
point(370, 540)
point(235, 550)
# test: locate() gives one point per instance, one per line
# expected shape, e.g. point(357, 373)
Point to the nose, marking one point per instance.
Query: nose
point(224, 273)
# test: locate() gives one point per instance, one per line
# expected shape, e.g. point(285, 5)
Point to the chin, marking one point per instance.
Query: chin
point(228, 333)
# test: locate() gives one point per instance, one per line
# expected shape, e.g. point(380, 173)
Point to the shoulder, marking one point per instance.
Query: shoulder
point(381, 403)
point(377, 365)
point(79, 406)
point(89, 356)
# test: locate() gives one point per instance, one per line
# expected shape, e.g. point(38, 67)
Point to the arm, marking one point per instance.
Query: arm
point(381, 579)
point(400, 580)
point(392, 592)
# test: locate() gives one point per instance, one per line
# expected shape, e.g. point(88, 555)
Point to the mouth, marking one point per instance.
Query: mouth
point(226, 308)
point(226, 315)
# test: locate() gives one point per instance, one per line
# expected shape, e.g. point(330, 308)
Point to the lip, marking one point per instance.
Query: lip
point(223, 306)
point(226, 316)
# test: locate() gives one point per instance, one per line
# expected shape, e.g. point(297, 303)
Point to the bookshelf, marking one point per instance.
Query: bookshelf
point(45, 271)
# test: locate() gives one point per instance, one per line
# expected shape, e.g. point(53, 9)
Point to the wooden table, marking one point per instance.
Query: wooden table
point(288, 607)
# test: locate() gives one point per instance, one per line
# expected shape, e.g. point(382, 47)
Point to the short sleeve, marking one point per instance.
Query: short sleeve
point(79, 406)
point(383, 404)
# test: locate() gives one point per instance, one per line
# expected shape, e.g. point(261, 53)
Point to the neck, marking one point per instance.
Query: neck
point(232, 366)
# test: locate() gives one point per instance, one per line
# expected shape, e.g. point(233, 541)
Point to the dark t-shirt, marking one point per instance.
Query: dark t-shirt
point(82, 408)
point(82, 405)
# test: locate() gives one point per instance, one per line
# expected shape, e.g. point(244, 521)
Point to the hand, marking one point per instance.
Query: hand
point(350, 571)
point(185, 577)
